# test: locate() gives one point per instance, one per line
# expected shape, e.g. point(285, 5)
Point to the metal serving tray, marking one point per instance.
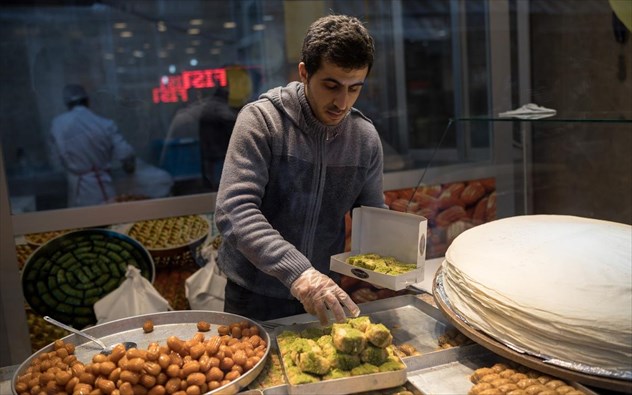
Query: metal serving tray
point(449, 371)
point(410, 319)
point(182, 324)
point(343, 385)
point(418, 323)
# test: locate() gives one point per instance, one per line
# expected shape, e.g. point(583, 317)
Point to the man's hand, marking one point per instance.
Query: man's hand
point(317, 292)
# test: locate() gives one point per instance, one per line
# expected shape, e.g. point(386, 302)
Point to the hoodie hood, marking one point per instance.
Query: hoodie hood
point(287, 100)
point(292, 102)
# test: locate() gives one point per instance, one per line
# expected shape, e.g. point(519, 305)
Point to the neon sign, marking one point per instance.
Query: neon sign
point(177, 86)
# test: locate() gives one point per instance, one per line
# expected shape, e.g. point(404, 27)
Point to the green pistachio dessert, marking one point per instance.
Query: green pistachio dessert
point(341, 350)
point(381, 264)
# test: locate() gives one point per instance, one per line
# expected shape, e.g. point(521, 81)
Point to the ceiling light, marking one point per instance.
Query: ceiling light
point(190, 50)
point(162, 54)
point(126, 34)
point(195, 22)
point(138, 54)
point(161, 26)
point(230, 25)
point(215, 51)
point(258, 27)
point(120, 25)
point(193, 62)
point(193, 31)
point(172, 68)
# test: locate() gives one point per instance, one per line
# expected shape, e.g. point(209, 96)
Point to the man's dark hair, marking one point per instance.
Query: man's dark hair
point(339, 39)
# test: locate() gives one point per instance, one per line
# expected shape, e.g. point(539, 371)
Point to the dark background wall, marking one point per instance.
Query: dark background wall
point(579, 69)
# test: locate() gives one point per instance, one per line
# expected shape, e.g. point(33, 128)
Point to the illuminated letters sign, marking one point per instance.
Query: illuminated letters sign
point(177, 86)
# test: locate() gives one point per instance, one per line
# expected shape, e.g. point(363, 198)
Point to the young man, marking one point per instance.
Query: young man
point(299, 158)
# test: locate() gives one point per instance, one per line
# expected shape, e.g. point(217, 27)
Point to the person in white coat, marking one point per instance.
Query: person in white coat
point(87, 145)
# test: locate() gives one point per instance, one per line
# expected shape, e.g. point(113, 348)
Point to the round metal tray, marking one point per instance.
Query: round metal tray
point(525, 359)
point(182, 324)
point(66, 276)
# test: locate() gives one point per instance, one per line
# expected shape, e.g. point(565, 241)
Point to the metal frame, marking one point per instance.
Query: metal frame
point(498, 30)
point(15, 344)
point(524, 95)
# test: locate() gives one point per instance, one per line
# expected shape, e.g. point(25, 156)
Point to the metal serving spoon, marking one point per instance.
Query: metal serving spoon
point(104, 349)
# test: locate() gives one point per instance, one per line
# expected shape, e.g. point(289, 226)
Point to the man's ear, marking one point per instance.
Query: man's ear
point(302, 72)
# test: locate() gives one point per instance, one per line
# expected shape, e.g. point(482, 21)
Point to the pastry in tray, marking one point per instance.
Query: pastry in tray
point(452, 338)
point(405, 389)
point(515, 379)
point(271, 375)
point(170, 233)
point(226, 360)
point(354, 348)
point(65, 277)
point(381, 264)
point(38, 239)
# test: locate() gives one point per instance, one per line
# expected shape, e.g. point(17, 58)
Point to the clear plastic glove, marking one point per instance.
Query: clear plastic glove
point(318, 293)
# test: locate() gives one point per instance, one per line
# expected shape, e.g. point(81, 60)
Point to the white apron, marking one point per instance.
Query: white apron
point(91, 188)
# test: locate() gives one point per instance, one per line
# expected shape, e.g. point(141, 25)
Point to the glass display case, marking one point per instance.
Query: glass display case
point(574, 164)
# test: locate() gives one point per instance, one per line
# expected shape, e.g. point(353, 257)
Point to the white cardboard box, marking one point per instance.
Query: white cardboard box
point(387, 233)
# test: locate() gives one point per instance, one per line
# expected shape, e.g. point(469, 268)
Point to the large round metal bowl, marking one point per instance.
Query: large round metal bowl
point(182, 324)
point(66, 276)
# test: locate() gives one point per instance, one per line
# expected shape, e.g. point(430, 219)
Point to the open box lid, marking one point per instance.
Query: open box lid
point(389, 233)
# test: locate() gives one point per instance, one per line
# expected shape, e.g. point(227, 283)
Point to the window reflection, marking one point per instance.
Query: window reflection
point(153, 67)
point(145, 67)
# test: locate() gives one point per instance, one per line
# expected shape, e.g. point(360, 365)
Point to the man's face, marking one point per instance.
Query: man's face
point(332, 90)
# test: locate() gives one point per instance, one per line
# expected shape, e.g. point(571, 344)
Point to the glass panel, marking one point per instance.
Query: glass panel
point(151, 68)
point(148, 68)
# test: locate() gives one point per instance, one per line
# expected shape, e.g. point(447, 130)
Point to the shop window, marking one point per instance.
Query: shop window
point(150, 67)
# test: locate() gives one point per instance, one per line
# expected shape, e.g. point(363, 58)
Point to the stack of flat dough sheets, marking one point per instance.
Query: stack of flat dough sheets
point(558, 287)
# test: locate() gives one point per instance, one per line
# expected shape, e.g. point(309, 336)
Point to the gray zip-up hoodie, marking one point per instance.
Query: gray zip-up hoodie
point(288, 181)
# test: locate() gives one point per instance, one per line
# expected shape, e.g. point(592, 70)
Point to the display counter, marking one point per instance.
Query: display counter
point(539, 176)
point(443, 361)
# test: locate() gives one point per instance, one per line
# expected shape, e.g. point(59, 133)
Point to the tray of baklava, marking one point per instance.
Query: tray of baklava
point(365, 353)
point(307, 358)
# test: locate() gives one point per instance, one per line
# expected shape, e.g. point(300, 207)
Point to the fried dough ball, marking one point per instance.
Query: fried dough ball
point(148, 326)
